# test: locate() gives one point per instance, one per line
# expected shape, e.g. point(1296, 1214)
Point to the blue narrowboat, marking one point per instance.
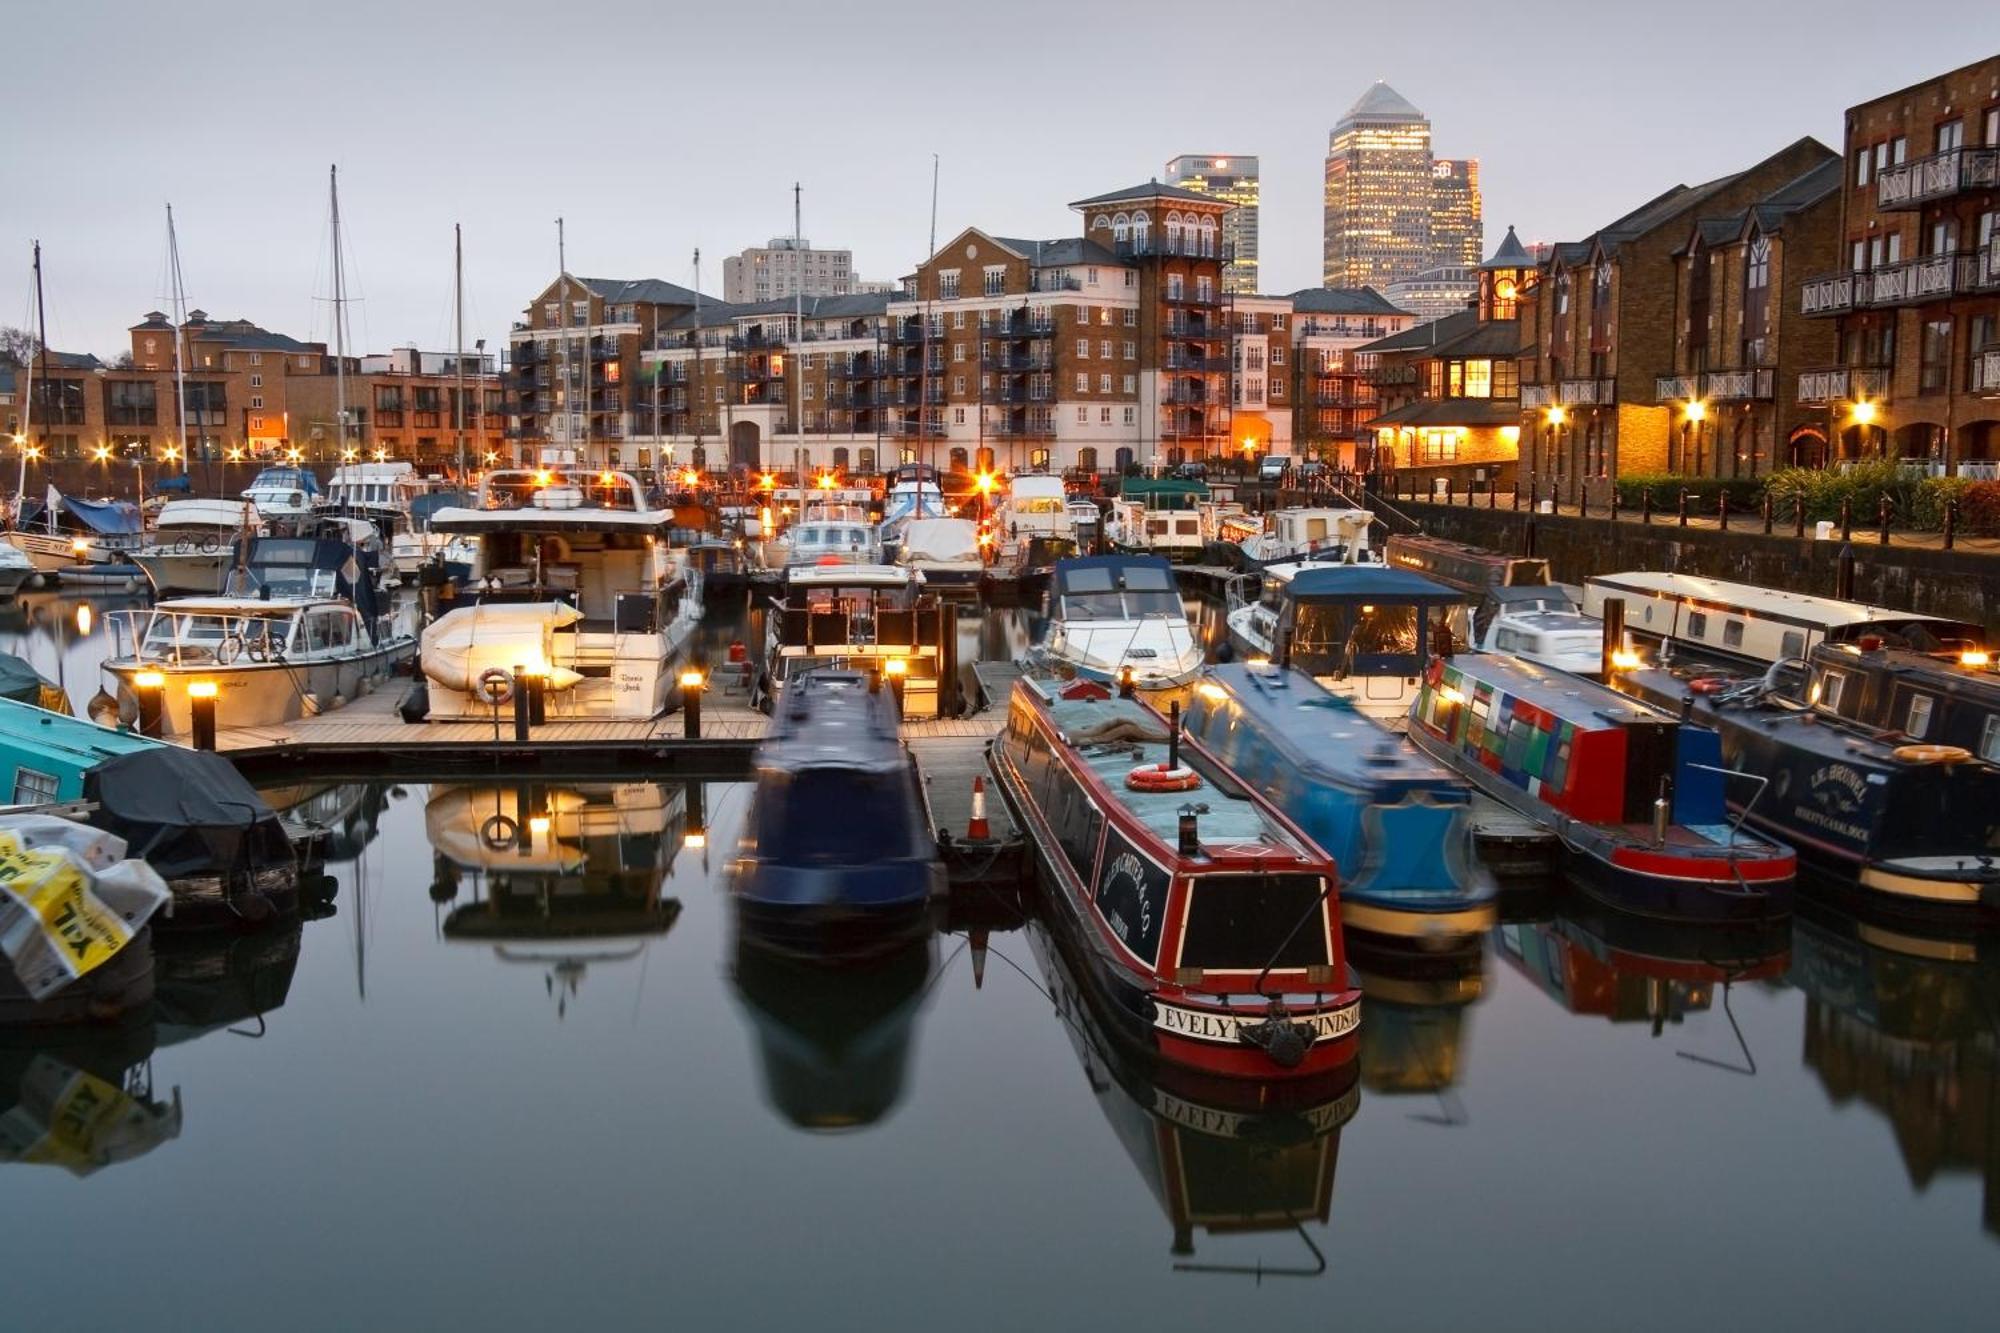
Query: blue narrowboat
point(1398, 826)
point(838, 859)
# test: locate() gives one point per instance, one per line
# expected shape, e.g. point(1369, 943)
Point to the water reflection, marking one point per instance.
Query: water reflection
point(1906, 1025)
point(1228, 1157)
point(222, 981)
point(83, 1099)
point(1415, 1012)
point(560, 877)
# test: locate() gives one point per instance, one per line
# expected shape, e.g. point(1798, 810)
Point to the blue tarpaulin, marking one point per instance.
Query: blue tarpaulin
point(107, 518)
point(180, 485)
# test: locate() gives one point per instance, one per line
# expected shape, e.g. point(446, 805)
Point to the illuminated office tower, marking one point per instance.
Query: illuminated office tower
point(1458, 231)
point(1378, 193)
point(1233, 179)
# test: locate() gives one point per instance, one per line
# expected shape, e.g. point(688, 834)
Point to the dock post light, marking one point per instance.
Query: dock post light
point(692, 683)
point(1614, 638)
point(897, 669)
point(79, 549)
point(201, 713)
point(521, 714)
point(151, 689)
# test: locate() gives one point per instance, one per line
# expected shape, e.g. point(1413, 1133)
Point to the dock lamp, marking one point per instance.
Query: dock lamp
point(79, 549)
point(897, 669)
point(151, 689)
point(201, 713)
point(692, 684)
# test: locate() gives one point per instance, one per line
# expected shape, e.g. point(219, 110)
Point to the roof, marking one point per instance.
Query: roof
point(1826, 612)
point(830, 718)
point(1381, 102)
point(27, 726)
point(1115, 563)
point(1510, 254)
point(1452, 412)
point(1151, 190)
point(65, 361)
point(1385, 582)
point(653, 290)
point(1322, 733)
point(1343, 301)
point(1060, 251)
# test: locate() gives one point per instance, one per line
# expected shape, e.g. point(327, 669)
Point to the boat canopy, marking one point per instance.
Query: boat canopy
point(1163, 493)
point(23, 684)
point(107, 518)
point(940, 539)
point(1380, 583)
point(185, 812)
point(1116, 587)
point(285, 479)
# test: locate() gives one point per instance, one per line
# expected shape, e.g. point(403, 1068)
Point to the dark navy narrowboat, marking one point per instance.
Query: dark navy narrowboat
point(1635, 795)
point(1883, 764)
point(838, 854)
point(1399, 826)
point(1206, 924)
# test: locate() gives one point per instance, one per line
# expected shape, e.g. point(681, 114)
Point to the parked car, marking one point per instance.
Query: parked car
point(1190, 472)
point(1273, 467)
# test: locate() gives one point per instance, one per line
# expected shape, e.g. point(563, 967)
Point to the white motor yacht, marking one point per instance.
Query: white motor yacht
point(1108, 614)
point(193, 543)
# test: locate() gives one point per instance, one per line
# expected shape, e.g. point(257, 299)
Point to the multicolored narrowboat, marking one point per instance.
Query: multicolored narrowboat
point(1635, 794)
point(1206, 924)
point(1399, 826)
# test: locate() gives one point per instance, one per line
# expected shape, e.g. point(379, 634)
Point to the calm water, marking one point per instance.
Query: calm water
point(538, 1088)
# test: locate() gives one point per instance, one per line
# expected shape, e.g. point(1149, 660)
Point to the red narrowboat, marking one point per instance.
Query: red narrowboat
point(1205, 925)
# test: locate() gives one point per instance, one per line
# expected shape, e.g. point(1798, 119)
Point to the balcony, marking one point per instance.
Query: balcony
point(1192, 394)
point(904, 331)
point(1188, 363)
point(1182, 246)
point(1669, 388)
point(1195, 329)
point(1018, 362)
point(1018, 329)
point(1914, 281)
point(1055, 282)
point(1939, 176)
point(1834, 383)
point(1021, 393)
point(1754, 385)
point(1182, 296)
point(1827, 294)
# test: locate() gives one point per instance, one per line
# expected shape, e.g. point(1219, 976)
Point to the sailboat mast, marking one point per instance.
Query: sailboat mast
point(28, 415)
point(695, 390)
point(177, 300)
point(458, 361)
point(339, 316)
point(798, 337)
point(562, 316)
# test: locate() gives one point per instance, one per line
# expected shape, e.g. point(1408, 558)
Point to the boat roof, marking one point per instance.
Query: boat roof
point(1141, 488)
point(1556, 622)
point(1723, 594)
point(1117, 564)
point(245, 606)
point(1383, 582)
point(1035, 483)
point(205, 513)
point(851, 576)
point(1319, 732)
point(1572, 698)
point(1234, 825)
point(567, 520)
point(24, 727)
point(829, 718)
point(1529, 594)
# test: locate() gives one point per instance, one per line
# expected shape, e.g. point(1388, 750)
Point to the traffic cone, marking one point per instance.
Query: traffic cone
point(977, 829)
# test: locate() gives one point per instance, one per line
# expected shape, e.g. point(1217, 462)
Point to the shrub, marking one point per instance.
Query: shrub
point(1745, 493)
point(1933, 493)
point(1862, 485)
point(1979, 508)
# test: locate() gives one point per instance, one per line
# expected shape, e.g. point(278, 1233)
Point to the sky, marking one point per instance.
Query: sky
point(656, 128)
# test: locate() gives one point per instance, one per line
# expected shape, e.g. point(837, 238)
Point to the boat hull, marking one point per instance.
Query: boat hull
point(261, 694)
point(184, 571)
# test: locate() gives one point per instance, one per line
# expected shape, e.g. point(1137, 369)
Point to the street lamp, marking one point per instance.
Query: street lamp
point(1697, 411)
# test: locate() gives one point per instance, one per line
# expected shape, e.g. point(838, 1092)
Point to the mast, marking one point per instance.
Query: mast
point(28, 414)
point(458, 363)
point(798, 337)
point(923, 409)
point(562, 315)
point(339, 318)
point(695, 389)
point(177, 301)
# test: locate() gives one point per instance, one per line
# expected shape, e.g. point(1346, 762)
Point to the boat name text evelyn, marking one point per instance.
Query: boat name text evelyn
point(1223, 1027)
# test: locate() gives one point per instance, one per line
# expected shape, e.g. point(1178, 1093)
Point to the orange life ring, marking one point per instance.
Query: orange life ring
point(1158, 777)
point(1931, 754)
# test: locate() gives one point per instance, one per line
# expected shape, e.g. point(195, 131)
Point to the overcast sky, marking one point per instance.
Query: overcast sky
point(655, 128)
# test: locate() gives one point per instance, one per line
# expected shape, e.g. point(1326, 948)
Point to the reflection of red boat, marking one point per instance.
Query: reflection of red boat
point(1205, 925)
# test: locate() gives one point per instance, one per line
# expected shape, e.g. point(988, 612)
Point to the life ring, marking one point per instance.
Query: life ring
point(1931, 754)
point(1158, 777)
point(495, 685)
point(499, 833)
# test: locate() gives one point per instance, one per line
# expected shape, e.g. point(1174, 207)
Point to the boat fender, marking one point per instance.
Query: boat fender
point(311, 704)
point(499, 833)
point(1158, 777)
point(1931, 754)
point(495, 686)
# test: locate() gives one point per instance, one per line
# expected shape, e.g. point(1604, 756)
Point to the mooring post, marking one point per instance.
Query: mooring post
point(692, 682)
point(1646, 505)
point(1799, 515)
point(1843, 574)
point(521, 713)
point(1847, 518)
point(1722, 510)
point(1614, 638)
point(1883, 509)
point(1683, 507)
point(1950, 522)
point(1767, 513)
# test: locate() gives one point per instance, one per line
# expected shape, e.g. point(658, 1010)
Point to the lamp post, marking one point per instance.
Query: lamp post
point(201, 713)
point(692, 683)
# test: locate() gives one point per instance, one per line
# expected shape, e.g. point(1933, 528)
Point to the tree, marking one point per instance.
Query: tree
point(18, 345)
point(123, 361)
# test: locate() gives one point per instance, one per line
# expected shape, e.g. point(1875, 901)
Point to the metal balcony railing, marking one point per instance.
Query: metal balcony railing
point(1939, 176)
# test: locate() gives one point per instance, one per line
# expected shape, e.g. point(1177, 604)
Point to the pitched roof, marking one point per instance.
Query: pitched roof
point(1461, 333)
point(1150, 190)
point(66, 361)
point(653, 290)
point(1343, 301)
point(1511, 254)
point(1426, 336)
point(1060, 251)
point(1381, 102)
point(1451, 412)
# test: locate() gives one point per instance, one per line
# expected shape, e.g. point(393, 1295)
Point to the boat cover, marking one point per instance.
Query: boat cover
point(23, 684)
point(943, 540)
point(107, 518)
point(187, 812)
point(462, 644)
point(181, 485)
point(69, 899)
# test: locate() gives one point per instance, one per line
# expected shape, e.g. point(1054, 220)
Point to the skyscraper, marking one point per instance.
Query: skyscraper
point(1233, 179)
point(1393, 211)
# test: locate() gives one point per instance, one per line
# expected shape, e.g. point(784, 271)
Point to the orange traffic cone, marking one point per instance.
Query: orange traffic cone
point(977, 830)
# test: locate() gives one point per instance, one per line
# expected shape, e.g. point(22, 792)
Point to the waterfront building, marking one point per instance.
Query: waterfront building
point(1332, 400)
point(1394, 212)
point(786, 267)
point(1232, 177)
point(1913, 294)
point(1599, 323)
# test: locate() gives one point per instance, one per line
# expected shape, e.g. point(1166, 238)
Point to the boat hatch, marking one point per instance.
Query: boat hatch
point(1240, 923)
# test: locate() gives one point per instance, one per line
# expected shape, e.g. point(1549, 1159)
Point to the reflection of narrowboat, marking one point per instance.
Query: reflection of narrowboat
point(1398, 827)
point(1882, 763)
point(1636, 796)
point(1205, 924)
point(1904, 1023)
point(1225, 1156)
point(838, 853)
point(1417, 1003)
point(835, 1045)
point(211, 982)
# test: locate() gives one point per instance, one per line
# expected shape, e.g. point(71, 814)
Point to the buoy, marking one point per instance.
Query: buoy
point(977, 829)
point(1158, 777)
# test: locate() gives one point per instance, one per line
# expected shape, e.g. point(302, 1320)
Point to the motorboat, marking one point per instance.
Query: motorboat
point(413, 545)
point(193, 543)
point(872, 618)
point(65, 535)
point(1363, 631)
point(838, 856)
point(1110, 615)
point(575, 580)
point(946, 551)
point(17, 570)
point(1204, 923)
point(1034, 526)
point(907, 501)
point(1158, 516)
point(1542, 625)
point(1636, 795)
point(1398, 825)
point(832, 535)
point(283, 493)
point(1253, 541)
point(382, 493)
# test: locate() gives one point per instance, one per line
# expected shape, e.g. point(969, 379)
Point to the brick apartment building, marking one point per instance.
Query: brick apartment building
point(1913, 295)
point(1332, 399)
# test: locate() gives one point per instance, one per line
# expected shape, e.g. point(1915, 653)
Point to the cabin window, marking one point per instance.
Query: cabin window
point(1697, 625)
point(32, 787)
point(1732, 634)
point(1989, 739)
point(1832, 686)
point(1793, 644)
point(1078, 824)
point(1917, 721)
point(1240, 922)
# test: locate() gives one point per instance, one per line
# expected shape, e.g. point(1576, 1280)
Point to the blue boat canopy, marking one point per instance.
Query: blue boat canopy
point(1378, 582)
point(181, 485)
point(1095, 567)
point(107, 518)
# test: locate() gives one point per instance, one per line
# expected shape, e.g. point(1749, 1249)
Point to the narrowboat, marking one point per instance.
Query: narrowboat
point(838, 857)
point(1635, 795)
point(1398, 825)
point(1158, 516)
point(1687, 614)
point(873, 618)
point(1362, 631)
point(1113, 614)
point(1473, 570)
point(1226, 1157)
point(1418, 1008)
point(1882, 764)
point(1205, 925)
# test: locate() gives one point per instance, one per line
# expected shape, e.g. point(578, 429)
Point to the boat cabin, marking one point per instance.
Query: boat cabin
point(1912, 696)
point(1338, 621)
point(1159, 516)
point(867, 617)
point(283, 492)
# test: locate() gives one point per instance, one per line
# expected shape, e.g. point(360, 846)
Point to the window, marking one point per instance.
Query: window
point(810, 390)
point(1131, 384)
point(1277, 388)
point(1104, 349)
point(1104, 384)
point(1131, 350)
point(1277, 354)
point(1934, 355)
point(1989, 739)
point(1899, 150)
point(1083, 314)
point(958, 352)
point(1917, 722)
point(1083, 349)
point(1131, 280)
point(1103, 416)
point(1949, 137)
point(32, 787)
point(1697, 625)
point(1082, 382)
point(1253, 358)
point(1090, 276)
point(256, 400)
point(1131, 416)
point(1732, 634)
point(1131, 316)
point(958, 416)
point(1204, 288)
point(958, 319)
point(996, 281)
point(1083, 416)
point(1861, 164)
point(552, 313)
point(579, 312)
point(1834, 685)
point(957, 384)
point(948, 285)
point(1478, 382)
point(1793, 644)
point(1176, 287)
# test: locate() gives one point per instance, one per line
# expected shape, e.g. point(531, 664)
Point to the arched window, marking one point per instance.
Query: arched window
point(1103, 220)
point(1141, 232)
point(1173, 233)
point(1208, 238)
point(840, 459)
point(1086, 458)
point(1121, 229)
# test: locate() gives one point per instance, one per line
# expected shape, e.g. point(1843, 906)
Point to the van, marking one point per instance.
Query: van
point(1273, 467)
